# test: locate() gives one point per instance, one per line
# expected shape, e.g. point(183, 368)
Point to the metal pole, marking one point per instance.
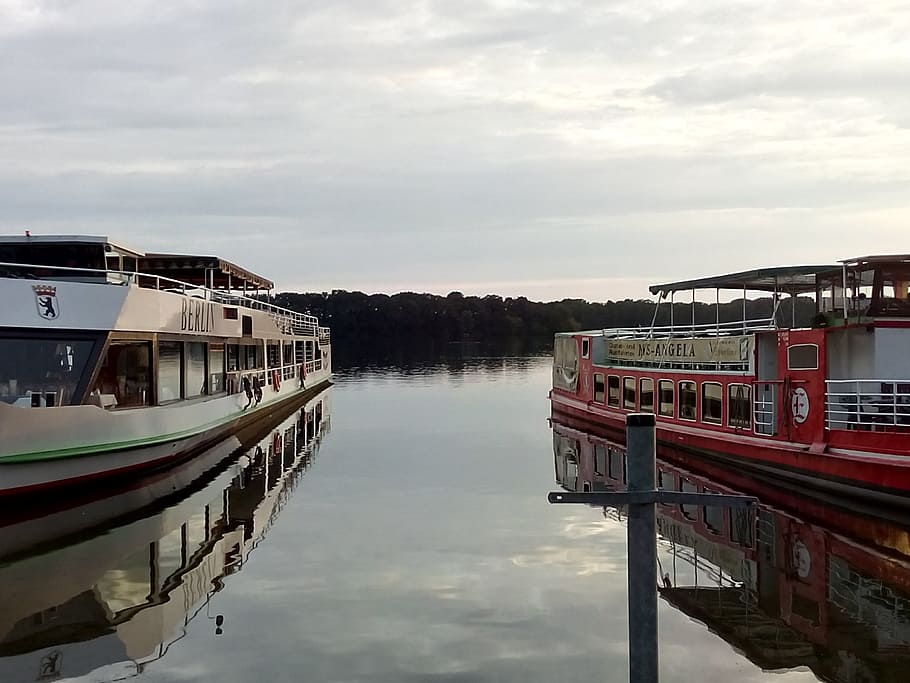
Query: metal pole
point(641, 465)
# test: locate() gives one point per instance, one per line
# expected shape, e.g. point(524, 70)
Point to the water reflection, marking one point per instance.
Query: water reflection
point(793, 582)
point(117, 579)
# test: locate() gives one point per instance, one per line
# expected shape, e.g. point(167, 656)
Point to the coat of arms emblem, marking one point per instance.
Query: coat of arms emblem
point(46, 301)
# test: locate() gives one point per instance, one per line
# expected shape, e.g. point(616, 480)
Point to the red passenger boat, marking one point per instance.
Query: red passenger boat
point(826, 405)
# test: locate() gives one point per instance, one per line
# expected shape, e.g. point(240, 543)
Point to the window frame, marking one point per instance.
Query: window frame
point(660, 384)
point(748, 388)
point(603, 387)
point(585, 347)
point(625, 389)
point(797, 346)
point(641, 393)
point(679, 402)
point(614, 403)
point(712, 421)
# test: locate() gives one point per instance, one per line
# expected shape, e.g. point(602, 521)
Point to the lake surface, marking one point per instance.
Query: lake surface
point(397, 529)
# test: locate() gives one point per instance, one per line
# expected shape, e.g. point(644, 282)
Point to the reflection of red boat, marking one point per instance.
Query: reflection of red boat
point(826, 405)
point(785, 591)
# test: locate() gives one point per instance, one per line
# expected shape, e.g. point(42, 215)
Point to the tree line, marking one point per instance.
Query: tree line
point(492, 318)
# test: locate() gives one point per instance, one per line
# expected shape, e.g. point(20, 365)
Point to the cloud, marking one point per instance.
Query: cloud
point(475, 136)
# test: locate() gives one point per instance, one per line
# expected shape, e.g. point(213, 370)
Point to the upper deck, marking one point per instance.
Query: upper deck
point(95, 259)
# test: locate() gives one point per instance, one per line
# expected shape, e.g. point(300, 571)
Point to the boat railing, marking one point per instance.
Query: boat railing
point(288, 321)
point(868, 404)
point(725, 329)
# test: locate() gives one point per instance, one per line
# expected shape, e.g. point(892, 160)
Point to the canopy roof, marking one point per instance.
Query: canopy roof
point(203, 271)
point(788, 279)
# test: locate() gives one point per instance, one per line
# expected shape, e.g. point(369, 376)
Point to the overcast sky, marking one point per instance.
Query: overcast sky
point(546, 149)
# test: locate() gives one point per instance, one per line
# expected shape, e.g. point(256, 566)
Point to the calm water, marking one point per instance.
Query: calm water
point(398, 530)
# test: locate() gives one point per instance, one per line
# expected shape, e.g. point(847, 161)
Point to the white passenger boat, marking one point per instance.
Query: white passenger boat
point(113, 360)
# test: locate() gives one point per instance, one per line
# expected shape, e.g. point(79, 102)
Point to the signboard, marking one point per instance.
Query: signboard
point(693, 350)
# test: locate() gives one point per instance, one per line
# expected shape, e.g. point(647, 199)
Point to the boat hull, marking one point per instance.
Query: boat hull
point(879, 477)
point(112, 445)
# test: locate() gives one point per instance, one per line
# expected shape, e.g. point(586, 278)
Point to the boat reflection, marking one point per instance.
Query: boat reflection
point(791, 582)
point(113, 581)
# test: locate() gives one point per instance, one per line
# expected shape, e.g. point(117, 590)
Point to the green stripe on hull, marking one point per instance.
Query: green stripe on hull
point(97, 449)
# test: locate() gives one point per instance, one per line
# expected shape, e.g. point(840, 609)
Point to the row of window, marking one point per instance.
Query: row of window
point(185, 369)
point(677, 399)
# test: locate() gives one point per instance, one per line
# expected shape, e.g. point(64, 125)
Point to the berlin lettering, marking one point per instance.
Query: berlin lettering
point(197, 316)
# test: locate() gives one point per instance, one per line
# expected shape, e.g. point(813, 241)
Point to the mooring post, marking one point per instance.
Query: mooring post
point(641, 467)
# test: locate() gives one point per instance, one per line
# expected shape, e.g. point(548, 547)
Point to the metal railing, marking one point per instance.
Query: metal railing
point(702, 330)
point(872, 404)
point(288, 321)
point(764, 414)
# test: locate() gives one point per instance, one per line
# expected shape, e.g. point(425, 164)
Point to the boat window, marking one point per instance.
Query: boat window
point(628, 393)
point(216, 368)
point(273, 354)
point(233, 357)
point(802, 357)
point(712, 398)
point(646, 395)
point(665, 398)
point(599, 389)
point(688, 397)
point(194, 370)
point(288, 353)
point(585, 347)
point(124, 379)
point(739, 405)
point(613, 391)
point(51, 368)
point(252, 357)
point(169, 365)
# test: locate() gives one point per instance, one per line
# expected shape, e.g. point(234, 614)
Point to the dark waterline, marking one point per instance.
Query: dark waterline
point(417, 546)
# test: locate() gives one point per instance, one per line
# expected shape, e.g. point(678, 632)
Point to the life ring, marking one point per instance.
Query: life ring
point(276, 380)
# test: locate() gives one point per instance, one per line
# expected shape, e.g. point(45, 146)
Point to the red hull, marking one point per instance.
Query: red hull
point(875, 476)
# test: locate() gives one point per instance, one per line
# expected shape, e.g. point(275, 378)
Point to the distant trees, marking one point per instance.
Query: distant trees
point(492, 318)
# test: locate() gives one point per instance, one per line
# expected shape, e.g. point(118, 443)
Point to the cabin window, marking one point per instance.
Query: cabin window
point(802, 357)
point(124, 379)
point(233, 358)
point(43, 367)
point(646, 395)
point(273, 354)
point(712, 400)
point(170, 362)
point(628, 393)
point(230, 313)
point(665, 398)
point(739, 405)
point(194, 369)
point(688, 398)
point(216, 368)
point(613, 391)
point(585, 347)
point(599, 387)
point(287, 351)
point(252, 357)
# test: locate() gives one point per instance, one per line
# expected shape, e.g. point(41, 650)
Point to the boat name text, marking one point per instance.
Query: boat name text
point(197, 316)
point(721, 350)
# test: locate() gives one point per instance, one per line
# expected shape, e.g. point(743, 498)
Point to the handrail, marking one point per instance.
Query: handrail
point(287, 320)
point(851, 404)
point(701, 330)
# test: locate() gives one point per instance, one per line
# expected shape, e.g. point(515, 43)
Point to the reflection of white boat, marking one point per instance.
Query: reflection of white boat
point(121, 594)
point(108, 364)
